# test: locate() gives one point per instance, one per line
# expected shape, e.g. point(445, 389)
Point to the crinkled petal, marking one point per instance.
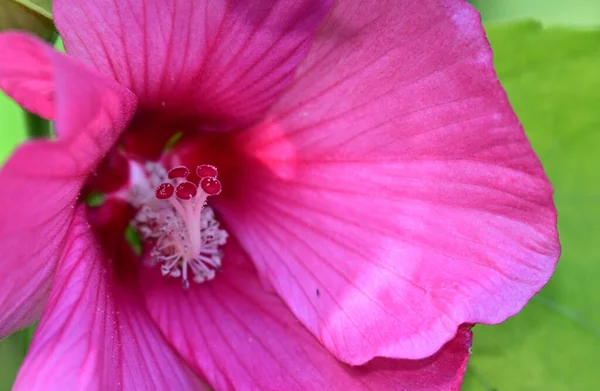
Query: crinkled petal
point(42, 180)
point(395, 179)
point(95, 333)
point(224, 62)
point(244, 338)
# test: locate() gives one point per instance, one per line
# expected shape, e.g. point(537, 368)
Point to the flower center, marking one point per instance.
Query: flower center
point(175, 218)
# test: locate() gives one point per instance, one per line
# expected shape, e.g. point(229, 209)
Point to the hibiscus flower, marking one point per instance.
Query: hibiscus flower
point(326, 196)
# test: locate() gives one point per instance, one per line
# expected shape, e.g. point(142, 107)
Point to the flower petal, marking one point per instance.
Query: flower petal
point(26, 73)
point(395, 179)
point(95, 333)
point(42, 180)
point(220, 61)
point(244, 338)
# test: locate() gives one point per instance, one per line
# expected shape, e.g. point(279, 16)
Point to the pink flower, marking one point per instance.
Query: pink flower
point(378, 194)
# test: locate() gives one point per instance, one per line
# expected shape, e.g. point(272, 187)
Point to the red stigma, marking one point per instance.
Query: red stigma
point(206, 170)
point(186, 190)
point(178, 172)
point(164, 191)
point(211, 186)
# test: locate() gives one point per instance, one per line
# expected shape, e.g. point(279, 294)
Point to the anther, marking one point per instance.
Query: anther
point(206, 170)
point(164, 191)
point(186, 190)
point(178, 172)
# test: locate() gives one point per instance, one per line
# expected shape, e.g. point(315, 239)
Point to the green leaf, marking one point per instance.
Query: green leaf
point(572, 12)
point(12, 353)
point(31, 15)
point(13, 126)
point(552, 79)
point(40, 7)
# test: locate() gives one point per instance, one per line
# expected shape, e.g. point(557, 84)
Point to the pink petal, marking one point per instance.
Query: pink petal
point(397, 181)
point(220, 61)
point(42, 180)
point(26, 73)
point(244, 338)
point(95, 333)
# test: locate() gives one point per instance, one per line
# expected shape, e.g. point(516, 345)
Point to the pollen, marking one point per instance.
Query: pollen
point(186, 237)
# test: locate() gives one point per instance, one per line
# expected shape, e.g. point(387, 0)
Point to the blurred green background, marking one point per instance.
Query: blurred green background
point(547, 55)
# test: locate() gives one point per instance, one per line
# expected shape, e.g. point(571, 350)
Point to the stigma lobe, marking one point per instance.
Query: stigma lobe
point(212, 186)
point(178, 172)
point(186, 190)
point(207, 170)
point(164, 191)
